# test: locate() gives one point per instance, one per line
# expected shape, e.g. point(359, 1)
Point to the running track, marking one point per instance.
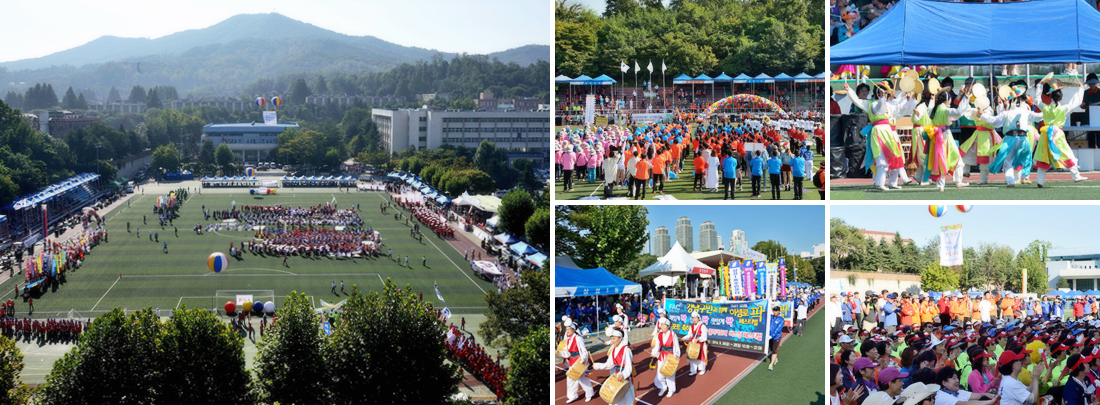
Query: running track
point(724, 369)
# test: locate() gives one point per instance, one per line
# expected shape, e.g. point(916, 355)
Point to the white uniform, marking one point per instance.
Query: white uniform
point(670, 344)
point(698, 333)
point(574, 347)
point(621, 362)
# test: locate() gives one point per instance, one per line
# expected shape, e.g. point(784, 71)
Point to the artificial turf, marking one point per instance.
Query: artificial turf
point(152, 278)
point(802, 360)
point(1062, 190)
point(681, 188)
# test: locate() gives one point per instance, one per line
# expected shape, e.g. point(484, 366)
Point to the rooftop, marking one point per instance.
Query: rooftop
point(1074, 253)
point(247, 127)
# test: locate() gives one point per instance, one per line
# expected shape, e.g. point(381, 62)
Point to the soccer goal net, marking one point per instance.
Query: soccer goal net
point(242, 299)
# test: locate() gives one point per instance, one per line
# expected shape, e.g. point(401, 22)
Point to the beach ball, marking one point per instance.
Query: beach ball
point(246, 306)
point(248, 171)
point(269, 307)
point(276, 101)
point(964, 208)
point(230, 307)
point(217, 262)
point(936, 210)
point(260, 101)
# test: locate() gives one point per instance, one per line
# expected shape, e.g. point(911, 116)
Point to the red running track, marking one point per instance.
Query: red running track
point(724, 369)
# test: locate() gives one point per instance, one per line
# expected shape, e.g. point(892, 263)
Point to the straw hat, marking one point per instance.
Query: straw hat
point(885, 85)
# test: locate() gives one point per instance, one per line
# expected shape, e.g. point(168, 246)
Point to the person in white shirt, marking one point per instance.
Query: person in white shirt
point(1012, 391)
point(666, 346)
point(574, 352)
point(985, 307)
point(698, 334)
point(951, 394)
point(801, 317)
point(620, 361)
point(836, 314)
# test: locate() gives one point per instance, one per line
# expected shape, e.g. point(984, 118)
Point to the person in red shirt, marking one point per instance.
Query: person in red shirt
point(642, 175)
point(700, 172)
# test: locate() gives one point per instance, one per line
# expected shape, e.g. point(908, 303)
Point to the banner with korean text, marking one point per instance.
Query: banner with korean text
point(733, 325)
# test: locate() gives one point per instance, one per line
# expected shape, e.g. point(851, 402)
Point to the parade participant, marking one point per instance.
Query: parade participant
point(981, 147)
point(884, 154)
point(775, 333)
point(697, 334)
point(1014, 121)
point(942, 153)
point(666, 346)
point(1052, 151)
point(620, 361)
point(574, 352)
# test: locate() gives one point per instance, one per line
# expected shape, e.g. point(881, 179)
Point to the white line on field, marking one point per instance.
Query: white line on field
point(105, 293)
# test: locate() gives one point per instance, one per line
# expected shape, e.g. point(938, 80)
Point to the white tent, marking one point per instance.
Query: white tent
point(676, 262)
point(666, 281)
point(565, 261)
point(466, 199)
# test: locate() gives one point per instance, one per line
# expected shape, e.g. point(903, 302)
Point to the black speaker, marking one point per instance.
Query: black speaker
point(836, 133)
point(837, 163)
point(851, 124)
point(854, 153)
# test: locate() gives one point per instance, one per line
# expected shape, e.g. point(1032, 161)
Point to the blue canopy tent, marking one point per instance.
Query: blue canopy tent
point(682, 79)
point(1092, 293)
point(1042, 31)
point(506, 239)
point(523, 249)
point(606, 79)
point(562, 79)
point(742, 78)
point(1054, 293)
point(1072, 294)
point(537, 259)
point(760, 78)
point(723, 78)
point(802, 78)
point(590, 282)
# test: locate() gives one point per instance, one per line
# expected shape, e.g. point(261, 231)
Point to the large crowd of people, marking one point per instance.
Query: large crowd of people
point(327, 214)
point(465, 351)
point(649, 156)
point(981, 348)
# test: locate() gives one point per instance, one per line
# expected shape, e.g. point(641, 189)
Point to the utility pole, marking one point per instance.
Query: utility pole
point(97, 146)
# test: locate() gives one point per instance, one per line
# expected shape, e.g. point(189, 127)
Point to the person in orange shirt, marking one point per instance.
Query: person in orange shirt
point(928, 311)
point(907, 311)
point(700, 172)
point(957, 309)
point(1007, 304)
point(659, 162)
point(642, 175)
point(975, 314)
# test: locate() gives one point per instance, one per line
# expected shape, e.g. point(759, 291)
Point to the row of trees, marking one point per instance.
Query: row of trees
point(987, 266)
point(691, 36)
point(381, 344)
point(457, 169)
point(42, 96)
point(614, 236)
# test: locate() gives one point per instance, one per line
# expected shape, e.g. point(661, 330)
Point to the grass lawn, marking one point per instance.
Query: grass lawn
point(151, 278)
point(1052, 191)
point(802, 361)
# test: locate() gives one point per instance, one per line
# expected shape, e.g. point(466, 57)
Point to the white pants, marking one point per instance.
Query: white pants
point(697, 366)
point(1073, 171)
point(883, 170)
point(956, 176)
point(1009, 169)
point(662, 382)
point(572, 385)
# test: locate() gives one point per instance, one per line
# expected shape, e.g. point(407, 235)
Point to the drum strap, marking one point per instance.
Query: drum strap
point(574, 354)
point(666, 348)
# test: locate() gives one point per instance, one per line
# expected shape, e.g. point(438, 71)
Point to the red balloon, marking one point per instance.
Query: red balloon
point(230, 307)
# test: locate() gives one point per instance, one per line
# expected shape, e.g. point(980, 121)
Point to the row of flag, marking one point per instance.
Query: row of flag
point(637, 68)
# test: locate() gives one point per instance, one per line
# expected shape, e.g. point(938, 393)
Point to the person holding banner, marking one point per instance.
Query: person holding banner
point(697, 334)
point(667, 346)
point(574, 352)
point(620, 361)
point(774, 334)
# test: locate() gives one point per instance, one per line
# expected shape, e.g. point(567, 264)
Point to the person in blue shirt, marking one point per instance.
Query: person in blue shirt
point(890, 310)
point(757, 166)
point(775, 332)
point(846, 309)
point(774, 166)
point(798, 172)
point(1046, 309)
point(729, 173)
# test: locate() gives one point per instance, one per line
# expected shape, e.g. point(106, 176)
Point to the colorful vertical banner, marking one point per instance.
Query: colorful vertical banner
point(951, 246)
point(736, 281)
point(783, 277)
point(761, 280)
point(747, 276)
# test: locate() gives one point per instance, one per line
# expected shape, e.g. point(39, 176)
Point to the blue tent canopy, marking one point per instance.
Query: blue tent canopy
point(704, 77)
point(582, 283)
point(1054, 293)
point(605, 78)
point(762, 78)
point(802, 77)
point(443, 199)
point(562, 79)
point(742, 78)
point(537, 259)
point(1072, 294)
point(681, 79)
point(52, 191)
point(820, 75)
point(1042, 31)
point(1092, 293)
point(506, 239)
point(523, 249)
point(783, 77)
point(723, 78)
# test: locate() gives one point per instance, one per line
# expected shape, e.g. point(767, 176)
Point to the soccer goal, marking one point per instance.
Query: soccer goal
point(239, 297)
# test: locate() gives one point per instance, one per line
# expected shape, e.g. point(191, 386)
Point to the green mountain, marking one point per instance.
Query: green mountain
point(224, 58)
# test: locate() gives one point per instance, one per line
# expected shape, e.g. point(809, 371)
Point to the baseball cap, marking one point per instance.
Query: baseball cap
point(1010, 356)
point(917, 392)
point(862, 363)
point(889, 374)
point(845, 339)
point(984, 354)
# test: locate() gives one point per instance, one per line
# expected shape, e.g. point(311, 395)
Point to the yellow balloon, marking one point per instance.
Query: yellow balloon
point(247, 306)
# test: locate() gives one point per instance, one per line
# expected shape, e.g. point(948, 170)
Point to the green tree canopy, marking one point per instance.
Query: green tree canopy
point(512, 314)
point(166, 157)
point(608, 236)
point(290, 358)
point(537, 229)
point(527, 376)
point(223, 155)
point(515, 209)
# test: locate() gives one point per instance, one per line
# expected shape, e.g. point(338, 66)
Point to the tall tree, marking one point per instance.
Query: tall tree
point(12, 389)
point(223, 155)
point(515, 209)
point(290, 358)
point(601, 236)
point(529, 360)
point(620, 7)
point(69, 102)
point(113, 96)
point(381, 342)
point(537, 229)
point(166, 157)
point(203, 360)
point(299, 92)
point(206, 153)
point(137, 94)
point(511, 315)
point(320, 87)
point(152, 100)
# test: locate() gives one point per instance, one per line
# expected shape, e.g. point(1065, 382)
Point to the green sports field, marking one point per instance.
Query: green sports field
point(152, 278)
point(801, 360)
point(1062, 190)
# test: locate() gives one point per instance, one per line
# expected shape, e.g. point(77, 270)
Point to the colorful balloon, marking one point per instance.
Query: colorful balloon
point(964, 208)
point(246, 306)
point(230, 307)
point(249, 172)
point(276, 101)
point(936, 210)
point(269, 307)
point(260, 101)
point(217, 262)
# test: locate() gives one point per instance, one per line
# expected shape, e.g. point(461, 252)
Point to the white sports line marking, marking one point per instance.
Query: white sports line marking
point(452, 261)
point(105, 294)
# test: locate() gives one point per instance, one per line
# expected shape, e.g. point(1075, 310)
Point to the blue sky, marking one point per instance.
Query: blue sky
point(599, 5)
point(798, 228)
point(33, 29)
point(1013, 225)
